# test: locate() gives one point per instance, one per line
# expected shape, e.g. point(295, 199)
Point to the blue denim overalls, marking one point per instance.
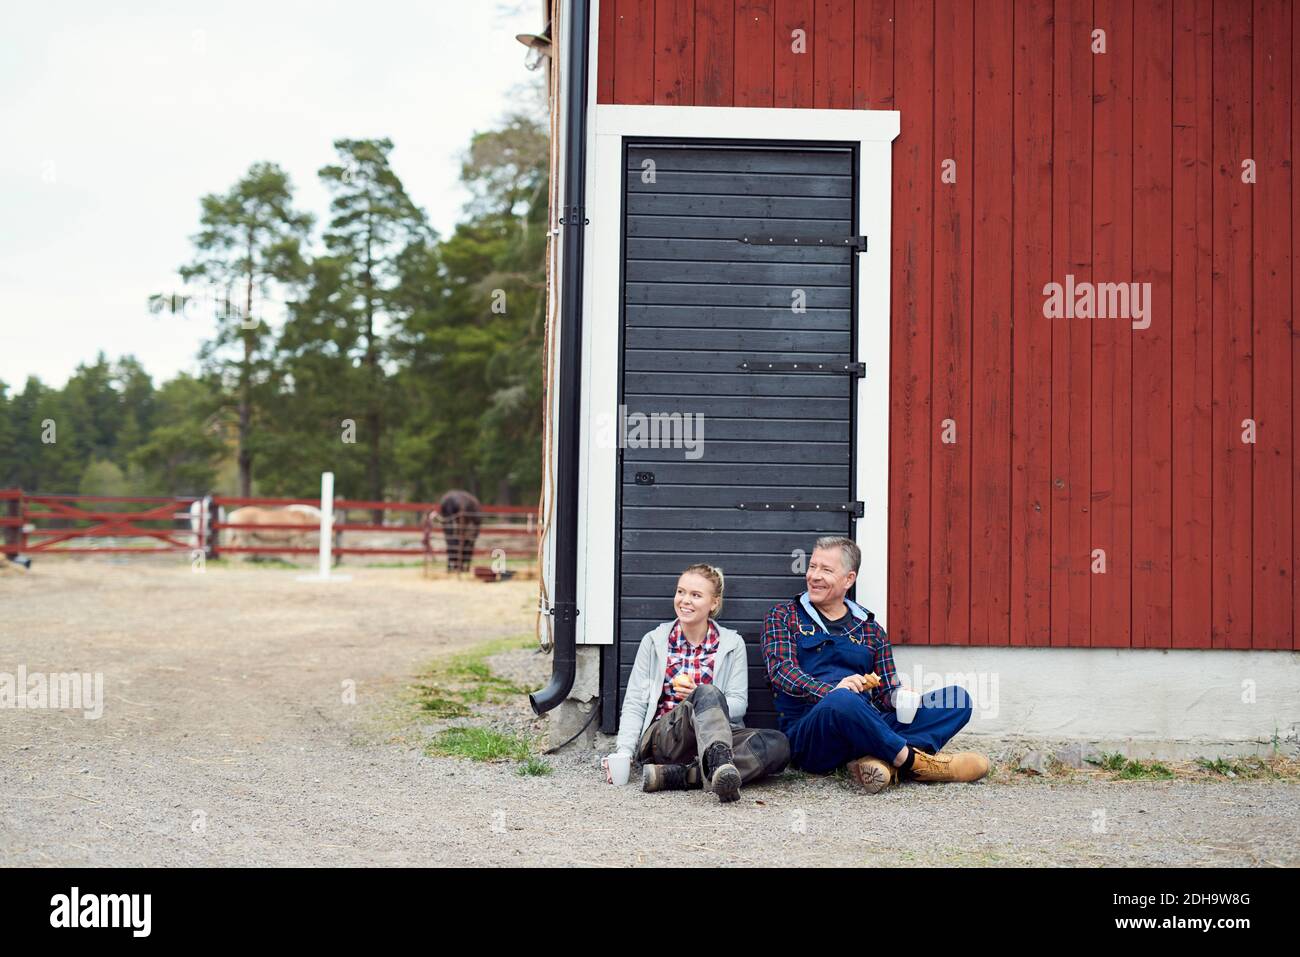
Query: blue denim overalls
point(845, 724)
point(827, 657)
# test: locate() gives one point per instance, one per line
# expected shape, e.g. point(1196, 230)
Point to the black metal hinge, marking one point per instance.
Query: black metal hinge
point(813, 368)
point(856, 509)
point(856, 243)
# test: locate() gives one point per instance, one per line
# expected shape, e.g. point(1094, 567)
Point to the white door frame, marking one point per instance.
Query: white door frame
point(874, 132)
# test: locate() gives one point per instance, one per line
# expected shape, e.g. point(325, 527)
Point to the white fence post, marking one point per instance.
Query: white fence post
point(326, 533)
point(326, 521)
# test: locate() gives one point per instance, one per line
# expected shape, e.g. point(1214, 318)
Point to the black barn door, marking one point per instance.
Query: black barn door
point(711, 327)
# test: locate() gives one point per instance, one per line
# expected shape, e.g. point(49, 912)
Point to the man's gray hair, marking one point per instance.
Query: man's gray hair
point(850, 554)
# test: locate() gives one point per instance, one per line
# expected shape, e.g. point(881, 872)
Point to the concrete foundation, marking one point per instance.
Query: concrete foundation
point(1143, 702)
point(574, 712)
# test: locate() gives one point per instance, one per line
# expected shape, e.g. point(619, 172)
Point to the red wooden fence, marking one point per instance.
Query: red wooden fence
point(79, 524)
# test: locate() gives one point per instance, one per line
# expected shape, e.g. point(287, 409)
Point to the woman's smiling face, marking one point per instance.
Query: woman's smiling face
point(695, 600)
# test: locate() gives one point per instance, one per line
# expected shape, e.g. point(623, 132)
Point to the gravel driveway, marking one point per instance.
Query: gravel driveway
point(225, 739)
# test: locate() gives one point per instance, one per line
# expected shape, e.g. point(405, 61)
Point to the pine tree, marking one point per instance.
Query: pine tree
point(251, 239)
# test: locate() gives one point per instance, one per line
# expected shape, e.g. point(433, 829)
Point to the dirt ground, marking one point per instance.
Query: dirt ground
point(227, 739)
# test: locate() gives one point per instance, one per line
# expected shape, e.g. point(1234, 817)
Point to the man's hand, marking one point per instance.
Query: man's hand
point(859, 683)
point(683, 685)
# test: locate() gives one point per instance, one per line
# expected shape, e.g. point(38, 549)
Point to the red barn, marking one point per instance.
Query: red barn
point(1003, 289)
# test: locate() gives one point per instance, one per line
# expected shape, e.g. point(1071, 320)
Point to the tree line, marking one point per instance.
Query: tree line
point(403, 361)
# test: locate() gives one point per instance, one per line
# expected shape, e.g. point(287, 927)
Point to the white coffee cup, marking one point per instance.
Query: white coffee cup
point(617, 767)
point(906, 701)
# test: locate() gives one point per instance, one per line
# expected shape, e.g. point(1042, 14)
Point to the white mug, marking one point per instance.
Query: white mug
point(617, 767)
point(906, 701)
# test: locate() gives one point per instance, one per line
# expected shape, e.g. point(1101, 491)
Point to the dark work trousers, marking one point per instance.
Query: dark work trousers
point(701, 720)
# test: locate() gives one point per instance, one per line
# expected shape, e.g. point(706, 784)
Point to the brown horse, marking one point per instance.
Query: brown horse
point(461, 516)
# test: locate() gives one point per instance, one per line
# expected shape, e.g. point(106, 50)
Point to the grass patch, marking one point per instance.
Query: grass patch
point(451, 687)
point(478, 744)
point(1239, 768)
point(1131, 770)
point(1109, 761)
point(438, 706)
point(534, 767)
point(1136, 770)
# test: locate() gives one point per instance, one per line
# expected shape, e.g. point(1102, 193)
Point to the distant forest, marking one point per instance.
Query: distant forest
point(405, 362)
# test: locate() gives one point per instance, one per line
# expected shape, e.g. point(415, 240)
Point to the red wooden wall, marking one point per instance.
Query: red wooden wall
point(1073, 434)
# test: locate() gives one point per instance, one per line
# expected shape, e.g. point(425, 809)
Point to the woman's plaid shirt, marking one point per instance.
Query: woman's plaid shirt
point(698, 661)
point(780, 640)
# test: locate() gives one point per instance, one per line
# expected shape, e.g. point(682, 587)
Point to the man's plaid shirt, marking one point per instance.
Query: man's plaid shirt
point(780, 644)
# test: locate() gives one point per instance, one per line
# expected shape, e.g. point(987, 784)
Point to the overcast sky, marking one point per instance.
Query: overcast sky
point(117, 117)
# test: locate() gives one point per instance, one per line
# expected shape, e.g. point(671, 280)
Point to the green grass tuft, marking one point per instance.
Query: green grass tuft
point(1109, 761)
point(1135, 770)
point(1239, 768)
point(534, 767)
point(1132, 770)
point(478, 744)
point(451, 687)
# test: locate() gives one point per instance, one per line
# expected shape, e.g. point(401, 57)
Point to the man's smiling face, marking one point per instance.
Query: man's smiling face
point(827, 578)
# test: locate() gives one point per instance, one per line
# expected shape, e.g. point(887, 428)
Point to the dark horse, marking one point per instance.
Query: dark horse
point(461, 516)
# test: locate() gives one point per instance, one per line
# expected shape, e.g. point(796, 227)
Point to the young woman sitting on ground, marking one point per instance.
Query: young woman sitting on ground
point(687, 696)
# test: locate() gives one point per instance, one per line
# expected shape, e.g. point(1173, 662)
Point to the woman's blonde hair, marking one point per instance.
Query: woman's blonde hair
point(715, 577)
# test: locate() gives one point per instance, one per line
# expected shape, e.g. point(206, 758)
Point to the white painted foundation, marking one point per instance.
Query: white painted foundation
point(1143, 702)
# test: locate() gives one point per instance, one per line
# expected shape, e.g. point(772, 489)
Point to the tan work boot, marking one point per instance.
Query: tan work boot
point(962, 766)
point(872, 774)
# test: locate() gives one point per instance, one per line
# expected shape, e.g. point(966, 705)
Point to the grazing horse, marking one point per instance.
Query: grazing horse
point(461, 516)
point(304, 516)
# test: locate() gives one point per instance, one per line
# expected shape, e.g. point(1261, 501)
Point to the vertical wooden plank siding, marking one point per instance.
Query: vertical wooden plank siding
point(1193, 322)
point(993, 288)
point(1073, 434)
point(793, 57)
point(1031, 336)
point(1232, 526)
point(912, 326)
point(606, 52)
point(1111, 510)
point(755, 52)
point(951, 429)
point(1071, 337)
point(1152, 583)
point(715, 52)
point(1295, 345)
point(1274, 466)
point(873, 55)
point(833, 55)
point(674, 53)
point(634, 39)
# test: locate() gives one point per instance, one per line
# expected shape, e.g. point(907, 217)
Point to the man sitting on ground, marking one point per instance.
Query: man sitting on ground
point(834, 682)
